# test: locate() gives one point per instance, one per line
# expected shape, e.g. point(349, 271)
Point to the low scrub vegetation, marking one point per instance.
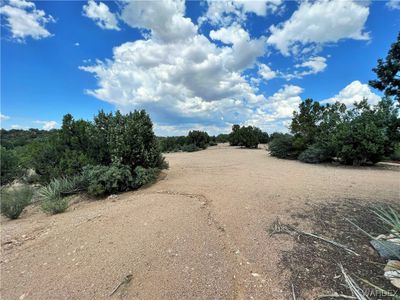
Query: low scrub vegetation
point(357, 135)
point(14, 200)
point(281, 146)
point(362, 134)
point(103, 180)
point(113, 153)
point(194, 141)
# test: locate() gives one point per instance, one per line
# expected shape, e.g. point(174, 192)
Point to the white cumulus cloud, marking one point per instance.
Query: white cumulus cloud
point(313, 65)
point(101, 14)
point(226, 12)
point(393, 4)
point(319, 22)
point(165, 19)
point(4, 117)
point(266, 72)
point(47, 125)
point(177, 74)
point(275, 113)
point(24, 20)
point(354, 92)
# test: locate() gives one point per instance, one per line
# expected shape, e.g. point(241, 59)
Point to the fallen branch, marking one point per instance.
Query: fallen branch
point(336, 295)
point(294, 294)
point(353, 286)
point(126, 280)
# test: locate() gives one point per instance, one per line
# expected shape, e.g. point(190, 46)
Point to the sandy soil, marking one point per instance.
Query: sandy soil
point(198, 233)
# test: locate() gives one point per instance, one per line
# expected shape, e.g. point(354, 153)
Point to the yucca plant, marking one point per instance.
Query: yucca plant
point(53, 195)
point(390, 217)
point(14, 200)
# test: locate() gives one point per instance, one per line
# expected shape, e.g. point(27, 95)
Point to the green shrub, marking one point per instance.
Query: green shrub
point(55, 205)
point(360, 139)
point(190, 148)
point(9, 168)
point(145, 176)
point(52, 196)
point(248, 137)
point(199, 138)
point(263, 138)
point(14, 200)
point(282, 147)
point(222, 138)
point(105, 180)
point(172, 143)
point(396, 154)
point(314, 154)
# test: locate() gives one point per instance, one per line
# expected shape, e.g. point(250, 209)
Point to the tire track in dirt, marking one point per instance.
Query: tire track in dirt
point(230, 249)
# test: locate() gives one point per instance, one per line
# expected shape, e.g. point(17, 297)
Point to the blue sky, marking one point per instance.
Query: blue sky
point(194, 65)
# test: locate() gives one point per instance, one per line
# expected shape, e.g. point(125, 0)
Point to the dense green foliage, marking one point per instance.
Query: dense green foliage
point(110, 139)
point(247, 136)
point(314, 154)
point(281, 146)
point(14, 200)
point(9, 166)
point(198, 138)
point(172, 143)
point(222, 138)
point(358, 135)
point(13, 138)
point(113, 153)
point(145, 176)
point(388, 72)
point(53, 195)
point(103, 180)
point(194, 141)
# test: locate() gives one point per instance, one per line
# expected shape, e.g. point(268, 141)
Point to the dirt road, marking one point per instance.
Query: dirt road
point(198, 233)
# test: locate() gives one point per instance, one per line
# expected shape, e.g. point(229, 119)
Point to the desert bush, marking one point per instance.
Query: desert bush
point(55, 205)
point(199, 138)
point(274, 135)
point(145, 176)
point(282, 147)
point(314, 154)
point(248, 137)
point(263, 138)
point(234, 136)
point(190, 148)
point(104, 180)
point(360, 139)
point(9, 167)
point(14, 200)
point(172, 143)
point(110, 139)
point(222, 138)
point(132, 142)
point(396, 153)
point(52, 195)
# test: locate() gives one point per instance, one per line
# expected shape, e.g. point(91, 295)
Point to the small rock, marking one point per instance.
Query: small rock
point(386, 249)
point(392, 265)
point(113, 196)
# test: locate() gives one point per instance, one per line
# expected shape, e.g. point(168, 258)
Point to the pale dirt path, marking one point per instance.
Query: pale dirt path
point(199, 233)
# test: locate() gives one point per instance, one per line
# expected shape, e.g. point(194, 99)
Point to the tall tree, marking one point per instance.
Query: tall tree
point(388, 72)
point(305, 123)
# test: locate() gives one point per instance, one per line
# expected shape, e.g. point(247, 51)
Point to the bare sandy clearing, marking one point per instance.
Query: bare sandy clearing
point(198, 233)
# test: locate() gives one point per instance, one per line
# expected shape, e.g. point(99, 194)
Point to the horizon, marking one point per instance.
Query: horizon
point(192, 65)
